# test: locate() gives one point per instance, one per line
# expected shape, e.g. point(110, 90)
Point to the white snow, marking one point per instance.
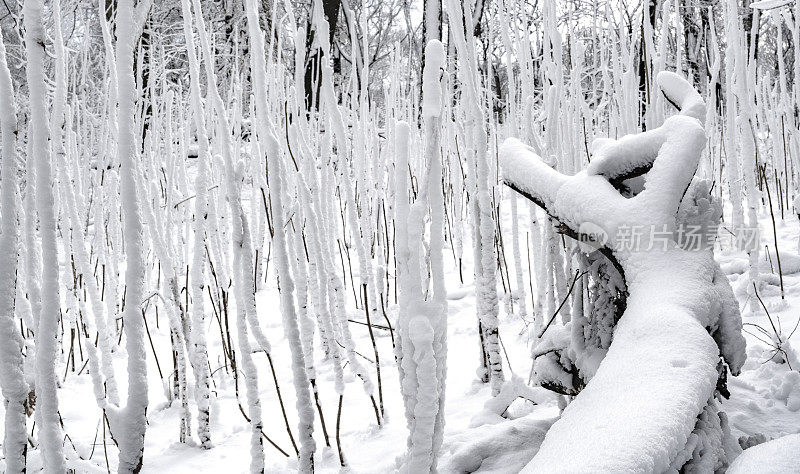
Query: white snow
point(769, 4)
point(286, 238)
point(660, 370)
point(779, 456)
point(431, 89)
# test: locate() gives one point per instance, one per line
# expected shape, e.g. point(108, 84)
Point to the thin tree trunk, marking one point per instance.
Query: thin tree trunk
point(12, 379)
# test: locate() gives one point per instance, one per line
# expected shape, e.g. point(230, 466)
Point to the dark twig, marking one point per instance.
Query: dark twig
point(578, 275)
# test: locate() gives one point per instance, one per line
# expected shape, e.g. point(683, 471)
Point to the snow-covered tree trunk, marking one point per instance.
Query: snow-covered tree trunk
point(100, 368)
point(482, 213)
point(100, 365)
point(242, 274)
point(286, 287)
point(197, 336)
point(32, 256)
point(12, 381)
point(110, 253)
point(130, 423)
point(163, 250)
point(46, 384)
point(745, 124)
point(300, 378)
point(249, 372)
point(422, 320)
point(341, 164)
point(318, 286)
point(732, 29)
point(520, 295)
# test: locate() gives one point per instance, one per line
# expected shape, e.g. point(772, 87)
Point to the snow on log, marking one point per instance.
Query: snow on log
point(633, 155)
point(682, 95)
point(779, 456)
point(639, 411)
point(495, 407)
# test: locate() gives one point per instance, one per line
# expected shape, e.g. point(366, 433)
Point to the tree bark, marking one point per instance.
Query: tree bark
point(315, 54)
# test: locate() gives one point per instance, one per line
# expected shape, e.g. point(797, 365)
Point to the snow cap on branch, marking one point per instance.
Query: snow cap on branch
point(682, 95)
point(431, 90)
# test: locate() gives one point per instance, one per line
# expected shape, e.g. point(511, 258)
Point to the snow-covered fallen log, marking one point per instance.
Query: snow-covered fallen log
point(779, 456)
point(639, 411)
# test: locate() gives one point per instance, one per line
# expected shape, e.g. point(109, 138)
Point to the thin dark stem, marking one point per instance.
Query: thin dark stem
point(338, 426)
point(319, 410)
point(563, 302)
point(280, 400)
point(374, 349)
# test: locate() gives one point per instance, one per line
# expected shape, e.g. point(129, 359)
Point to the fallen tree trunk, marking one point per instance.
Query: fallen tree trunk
point(641, 410)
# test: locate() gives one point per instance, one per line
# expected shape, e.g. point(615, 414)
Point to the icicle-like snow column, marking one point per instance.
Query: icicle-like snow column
point(290, 318)
point(343, 169)
point(241, 276)
point(485, 256)
point(130, 423)
point(12, 380)
point(197, 336)
point(732, 28)
point(100, 364)
point(291, 327)
point(422, 322)
point(740, 117)
point(641, 407)
point(46, 340)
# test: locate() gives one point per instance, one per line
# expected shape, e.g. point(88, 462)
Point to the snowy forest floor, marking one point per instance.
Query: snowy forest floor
point(765, 398)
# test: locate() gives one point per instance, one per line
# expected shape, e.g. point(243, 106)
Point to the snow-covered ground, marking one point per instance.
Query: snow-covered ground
point(764, 402)
point(765, 398)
